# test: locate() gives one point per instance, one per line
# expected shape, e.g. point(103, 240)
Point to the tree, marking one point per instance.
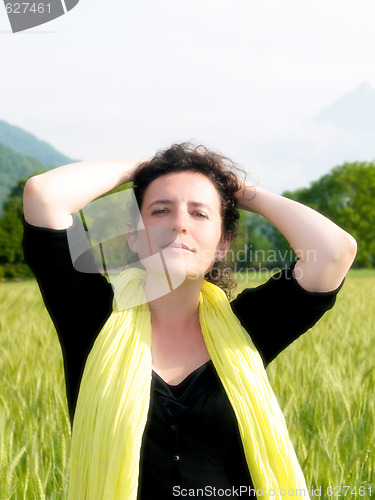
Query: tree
point(346, 196)
point(259, 245)
point(12, 262)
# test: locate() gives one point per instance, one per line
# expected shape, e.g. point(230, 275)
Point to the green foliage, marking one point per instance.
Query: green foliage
point(259, 245)
point(12, 262)
point(346, 196)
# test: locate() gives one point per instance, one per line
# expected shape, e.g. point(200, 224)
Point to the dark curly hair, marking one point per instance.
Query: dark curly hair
point(222, 172)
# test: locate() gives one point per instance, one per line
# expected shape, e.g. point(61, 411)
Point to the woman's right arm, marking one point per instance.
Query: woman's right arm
point(50, 198)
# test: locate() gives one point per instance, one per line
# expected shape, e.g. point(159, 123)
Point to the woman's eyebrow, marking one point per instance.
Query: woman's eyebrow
point(163, 202)
point(200, 204)
point(169, 202)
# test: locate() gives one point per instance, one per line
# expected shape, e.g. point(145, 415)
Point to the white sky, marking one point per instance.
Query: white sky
point(115, 79)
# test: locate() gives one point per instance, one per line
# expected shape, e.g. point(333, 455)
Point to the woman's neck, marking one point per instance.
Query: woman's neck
point(178, 307)
point(178, 346)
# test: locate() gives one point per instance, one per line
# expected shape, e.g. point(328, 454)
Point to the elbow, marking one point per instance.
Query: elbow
point(30, 190)
point(345, 251)
point(325, 270)
point(33, 192)
point(35, 197)
point(351, 248)
point(31, 186)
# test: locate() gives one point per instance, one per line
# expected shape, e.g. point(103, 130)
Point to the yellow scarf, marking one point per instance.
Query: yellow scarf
point(114, 397)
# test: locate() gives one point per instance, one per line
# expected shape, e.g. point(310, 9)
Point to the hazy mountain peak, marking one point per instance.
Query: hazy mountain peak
point(364, 87)
point(354, 111)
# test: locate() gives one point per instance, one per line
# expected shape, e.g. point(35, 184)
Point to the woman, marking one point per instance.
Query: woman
point(174, 400)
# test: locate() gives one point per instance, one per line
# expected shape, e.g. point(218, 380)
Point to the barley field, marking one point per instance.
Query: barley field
point(325, 383)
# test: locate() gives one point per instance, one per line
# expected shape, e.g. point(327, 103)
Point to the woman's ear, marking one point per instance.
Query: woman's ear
point(131, 238)
point(223, 247)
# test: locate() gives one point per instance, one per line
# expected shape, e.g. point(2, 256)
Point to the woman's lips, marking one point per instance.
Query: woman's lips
point(178, 246)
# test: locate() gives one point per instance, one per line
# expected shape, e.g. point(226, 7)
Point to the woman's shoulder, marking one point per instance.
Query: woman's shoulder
point(69, 290)
point(278, 311)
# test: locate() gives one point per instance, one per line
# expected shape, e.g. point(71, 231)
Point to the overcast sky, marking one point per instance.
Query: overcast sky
point(115, 79)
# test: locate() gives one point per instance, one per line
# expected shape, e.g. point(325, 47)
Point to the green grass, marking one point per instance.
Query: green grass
point(325, 383)
point(34, 421)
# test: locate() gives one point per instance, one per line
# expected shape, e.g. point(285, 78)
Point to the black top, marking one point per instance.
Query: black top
point(191, 439)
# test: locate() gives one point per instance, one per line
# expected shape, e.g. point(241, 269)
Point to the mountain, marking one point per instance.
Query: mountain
point(24, 143)
point(339, 133)
point(21, 155)
point(355, 111)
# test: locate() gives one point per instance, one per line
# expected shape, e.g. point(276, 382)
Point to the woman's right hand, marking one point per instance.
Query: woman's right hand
point(50, 198)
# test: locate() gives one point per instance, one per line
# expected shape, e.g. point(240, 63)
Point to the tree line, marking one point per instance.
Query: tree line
point(345, 195)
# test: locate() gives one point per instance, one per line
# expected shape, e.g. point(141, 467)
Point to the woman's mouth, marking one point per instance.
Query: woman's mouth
point(178, 247)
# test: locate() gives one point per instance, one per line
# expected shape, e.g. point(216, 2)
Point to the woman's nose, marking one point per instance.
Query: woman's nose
point(179, 223)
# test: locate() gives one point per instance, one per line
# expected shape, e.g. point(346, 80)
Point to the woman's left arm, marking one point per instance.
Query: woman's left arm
point(325, 251)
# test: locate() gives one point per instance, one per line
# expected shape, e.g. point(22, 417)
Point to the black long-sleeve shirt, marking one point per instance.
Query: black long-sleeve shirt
point(191, 440)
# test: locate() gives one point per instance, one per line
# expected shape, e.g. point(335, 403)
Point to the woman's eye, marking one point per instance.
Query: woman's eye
point(201, 214)
point(162, 211)
point(159, 211)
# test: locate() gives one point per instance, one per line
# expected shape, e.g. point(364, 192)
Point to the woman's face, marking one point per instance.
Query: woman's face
point(181, 214)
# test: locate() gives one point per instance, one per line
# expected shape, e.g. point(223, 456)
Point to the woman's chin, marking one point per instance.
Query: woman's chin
point(164, 274)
